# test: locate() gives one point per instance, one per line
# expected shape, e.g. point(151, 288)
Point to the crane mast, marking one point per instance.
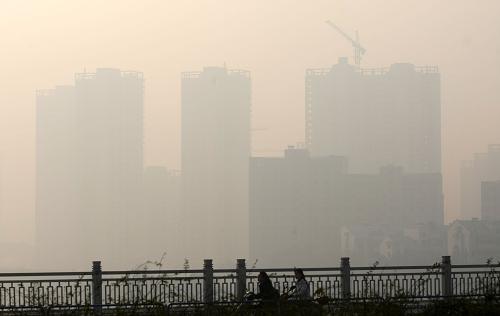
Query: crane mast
point(358, 49)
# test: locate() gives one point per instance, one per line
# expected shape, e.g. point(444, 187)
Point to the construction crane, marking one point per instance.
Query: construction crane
point(358, 49)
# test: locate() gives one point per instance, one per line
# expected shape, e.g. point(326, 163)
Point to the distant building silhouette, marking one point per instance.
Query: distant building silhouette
point(490, 200)
point(473, 241)
point(375, 117)
point(89, 166)
point(292, 219)
point(422, 243)
point(299, 203)
point(363, 243)
point(484, 167)
point(215, 156)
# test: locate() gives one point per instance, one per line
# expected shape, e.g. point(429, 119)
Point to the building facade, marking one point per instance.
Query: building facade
point(215, 156)
point(375, 117)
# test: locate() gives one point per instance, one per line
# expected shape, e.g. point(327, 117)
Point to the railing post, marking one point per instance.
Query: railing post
point(345, 277)
point(241, 279)
point(446, 286)
point(208, 281)
point(97, 287)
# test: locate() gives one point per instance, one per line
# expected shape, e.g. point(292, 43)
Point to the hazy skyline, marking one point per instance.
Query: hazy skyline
point(45, 42)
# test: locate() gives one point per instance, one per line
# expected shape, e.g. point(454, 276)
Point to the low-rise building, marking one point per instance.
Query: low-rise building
point(299, 203)
point(422, 243)
point(483, 167)
point(473, 241)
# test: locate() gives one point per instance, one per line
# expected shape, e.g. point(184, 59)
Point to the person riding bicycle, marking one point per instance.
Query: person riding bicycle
point(301, 288)
point(267, 292)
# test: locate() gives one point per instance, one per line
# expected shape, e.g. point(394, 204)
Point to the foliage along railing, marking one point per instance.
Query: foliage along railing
point(111, 288)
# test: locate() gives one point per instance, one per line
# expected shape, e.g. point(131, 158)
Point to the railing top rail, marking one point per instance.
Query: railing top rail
point(24, 281)
point(381, 274)
point(28, 274)
point(250, 270)
point(153, 278)
point(474, 266)
point(396, 268)
point(225, 270)
point(179, 271)
point(292, 269)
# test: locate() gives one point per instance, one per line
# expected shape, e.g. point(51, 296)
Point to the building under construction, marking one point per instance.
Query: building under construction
point(375, 117)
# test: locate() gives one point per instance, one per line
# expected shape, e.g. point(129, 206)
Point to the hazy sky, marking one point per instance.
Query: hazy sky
point(43, 43)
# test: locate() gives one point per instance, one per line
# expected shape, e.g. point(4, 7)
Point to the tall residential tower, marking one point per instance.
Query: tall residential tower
point(375, 117)
point(215, 161)
point(89, 167)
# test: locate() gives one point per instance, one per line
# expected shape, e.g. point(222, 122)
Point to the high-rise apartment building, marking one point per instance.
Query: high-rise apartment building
point(110, 159)
point(89, 166)
point(375, 117)
point(215, 157)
